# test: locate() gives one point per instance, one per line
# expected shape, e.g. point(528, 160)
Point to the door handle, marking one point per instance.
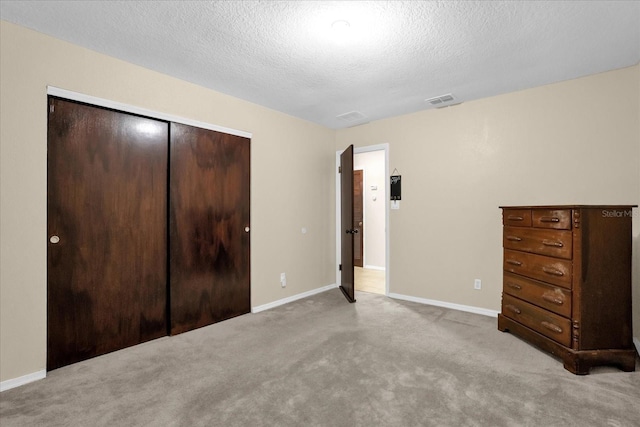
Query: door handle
point(360, 224)
point(54, 239)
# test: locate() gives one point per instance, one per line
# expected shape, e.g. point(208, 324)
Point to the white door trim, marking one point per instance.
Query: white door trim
point(358, 150)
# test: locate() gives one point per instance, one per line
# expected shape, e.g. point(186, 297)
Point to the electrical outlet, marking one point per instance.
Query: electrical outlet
point(283, 280)
point(477, 284)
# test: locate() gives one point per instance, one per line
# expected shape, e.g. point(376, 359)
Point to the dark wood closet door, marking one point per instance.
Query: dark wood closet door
point(209, 227)
point(346, 224)
point(107, 225)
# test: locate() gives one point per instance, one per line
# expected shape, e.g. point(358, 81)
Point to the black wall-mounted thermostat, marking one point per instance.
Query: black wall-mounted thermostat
point(395, 187)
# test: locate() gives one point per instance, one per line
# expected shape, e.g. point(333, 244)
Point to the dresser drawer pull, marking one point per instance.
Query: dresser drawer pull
point(514, 238)
point(552, 244)
point(553, 299)
point(513, 308)
point(549, 219)
point(550, 326)
point(515, 218)
point(514, 262)
point(514, 286)
point(552, 271)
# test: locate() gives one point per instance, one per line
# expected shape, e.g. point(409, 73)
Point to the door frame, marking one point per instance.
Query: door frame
point(358, 150)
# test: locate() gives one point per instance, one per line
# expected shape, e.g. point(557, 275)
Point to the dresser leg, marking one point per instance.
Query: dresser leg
point(629, 364)
point(575, 365)
point(502, 324)
point(581, 362)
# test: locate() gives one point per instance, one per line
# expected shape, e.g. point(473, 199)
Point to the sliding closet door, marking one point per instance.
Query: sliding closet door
point(107, 231)
point(209, 227)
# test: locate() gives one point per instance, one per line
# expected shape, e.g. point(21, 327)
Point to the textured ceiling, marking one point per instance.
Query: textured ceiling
point(284, 54)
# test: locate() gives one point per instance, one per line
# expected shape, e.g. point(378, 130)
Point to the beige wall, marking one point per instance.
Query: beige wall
point(291, 182)
point(575, 142)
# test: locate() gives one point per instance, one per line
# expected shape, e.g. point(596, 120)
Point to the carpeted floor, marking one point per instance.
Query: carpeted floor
point(323, 362)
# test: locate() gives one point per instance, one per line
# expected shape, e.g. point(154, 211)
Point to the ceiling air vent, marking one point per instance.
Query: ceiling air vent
point(353, 117)
point(442, 101)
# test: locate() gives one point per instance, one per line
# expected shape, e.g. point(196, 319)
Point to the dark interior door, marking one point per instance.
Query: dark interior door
point(358, 219)
point(107, 222)
point(346, 224)
point(209, 242)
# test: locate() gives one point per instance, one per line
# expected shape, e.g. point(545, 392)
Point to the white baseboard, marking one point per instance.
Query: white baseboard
point(459, 307)
point(636, 341)
point(374, 267)
point(25, 379)
point(292, 298)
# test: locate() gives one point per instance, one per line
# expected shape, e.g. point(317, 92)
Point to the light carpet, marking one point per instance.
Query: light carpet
point(321, 361)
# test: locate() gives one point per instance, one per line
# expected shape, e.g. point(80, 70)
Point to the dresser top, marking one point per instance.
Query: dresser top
point(571, 207)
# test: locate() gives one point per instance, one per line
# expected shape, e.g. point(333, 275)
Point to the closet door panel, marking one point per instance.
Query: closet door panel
point(209, 242)
point(107, 225)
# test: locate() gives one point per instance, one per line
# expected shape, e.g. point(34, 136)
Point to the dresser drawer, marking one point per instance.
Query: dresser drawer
point(516, 217)
point(559, 219)
point(556, 243)
point(551, 270)
point(552, 298)
point(548, 324)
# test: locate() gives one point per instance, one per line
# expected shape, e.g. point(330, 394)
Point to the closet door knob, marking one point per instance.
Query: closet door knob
point(246, 229)
point(54, 239)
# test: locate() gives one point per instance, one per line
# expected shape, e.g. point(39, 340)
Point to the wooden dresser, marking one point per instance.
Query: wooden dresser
point(567, 282)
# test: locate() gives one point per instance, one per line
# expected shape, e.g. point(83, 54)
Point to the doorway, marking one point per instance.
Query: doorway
point(371, 272)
